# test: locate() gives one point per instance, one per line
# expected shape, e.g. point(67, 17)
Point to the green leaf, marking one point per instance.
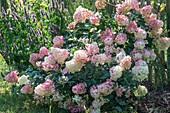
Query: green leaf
point(118, 108)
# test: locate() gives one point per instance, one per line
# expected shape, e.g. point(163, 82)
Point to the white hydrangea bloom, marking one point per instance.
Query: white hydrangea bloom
point(116, 72)
point(23, 80)
point(141, 91)
point(140, 73)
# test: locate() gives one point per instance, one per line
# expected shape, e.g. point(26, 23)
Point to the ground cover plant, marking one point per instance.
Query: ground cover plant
point(96, 64)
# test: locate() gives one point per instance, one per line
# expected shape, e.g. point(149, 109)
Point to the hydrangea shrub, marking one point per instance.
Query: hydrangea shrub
point(98, 68)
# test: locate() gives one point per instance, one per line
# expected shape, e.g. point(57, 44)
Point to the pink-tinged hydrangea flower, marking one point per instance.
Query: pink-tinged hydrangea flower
point(145, 11)
point(48, 67)
point(27, 89)
point(100, 4)
point(120, 56)
point(162, 44)
point(72, 25)
point(134, 4)
point(95, 20)
point(58, 41)
point(140, 63)
point(141, 33)
point(107, 33)
point(81, 56)
point(115, 72)
point(126, 62)
point(12, 76)
point(92, 48)
point(150, 17)
point(33, 58)
point(139, 44)
point(108, 41)
point(120, 38)
point(73, 107)
point(119, 91)
point(99, 59)
point(82, 14)
point(60, 55)
point(97, 103)
point(152, 55)
point(137, 56)
point(140, 73)
point(43, 52)
point(155, 24)
point(106, 88)
point(94, 92)
point(109, 49)
point(131, 27)
point(50, 59)
point(45, 89)
point(155, 33)
point(124, 8)
point(73, 66)
point(122, 20)
point(79, 88)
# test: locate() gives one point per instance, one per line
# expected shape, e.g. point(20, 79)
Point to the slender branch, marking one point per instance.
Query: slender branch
point(165, 33)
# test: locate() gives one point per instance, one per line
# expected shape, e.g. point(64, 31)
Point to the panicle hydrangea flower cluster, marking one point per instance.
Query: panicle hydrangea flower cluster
point(131, 27)
point(58, 96)
point(95, 20)
point(109, 49)
point(148, 55)
point(103, 89)
point(33, 58)
point(119, 91)
point(72, 25)
point(141, 91)
point(145, 11)
point(116, 72)
point(101, 59)
point(43, 52)
point(79, 88)
point(58, 41)
point(73, 107)
point(120, 39)
point(92, 48)
point(140, 72)
point(27, 89)
point(119, 56)
point(139, 44)
point(23, 80)
point(100, 4)
point(73, 66)
point(141, 33)
point(81, 14)
point(81, 56)
point(126, 63)
point(150, 17)
point(12, 76)
point(60, 55)
point(107, 35)
point(122, 20)
point(45, 89)
point(79, 60)
point(127, 5)
point(162, 44)
point(155, 24)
